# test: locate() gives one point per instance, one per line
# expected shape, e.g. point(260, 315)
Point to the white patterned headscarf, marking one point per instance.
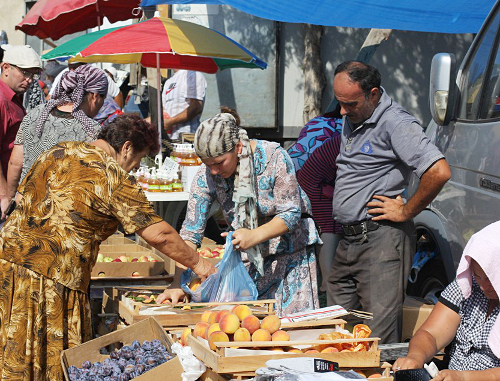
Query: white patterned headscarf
point(71, 89)
point(217, 136)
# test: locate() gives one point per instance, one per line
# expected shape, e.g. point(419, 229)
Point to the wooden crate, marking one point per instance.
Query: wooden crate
point(220, 363)
point(184, 314)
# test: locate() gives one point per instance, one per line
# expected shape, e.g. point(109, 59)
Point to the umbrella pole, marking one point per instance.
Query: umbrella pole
point(158, 102)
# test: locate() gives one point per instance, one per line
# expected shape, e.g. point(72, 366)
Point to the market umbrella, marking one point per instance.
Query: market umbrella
point(56, 18)
point(160, 43)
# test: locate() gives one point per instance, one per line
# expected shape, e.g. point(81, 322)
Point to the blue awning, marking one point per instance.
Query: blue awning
point(442, 16)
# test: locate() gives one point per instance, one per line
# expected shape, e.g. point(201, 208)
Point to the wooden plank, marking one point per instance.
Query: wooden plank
point(207, 356)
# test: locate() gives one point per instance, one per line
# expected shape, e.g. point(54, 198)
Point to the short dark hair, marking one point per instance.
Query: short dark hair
point(367, 76)
point(132, 128)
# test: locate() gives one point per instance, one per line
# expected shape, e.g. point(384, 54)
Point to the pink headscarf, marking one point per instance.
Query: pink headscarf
point(484, 248)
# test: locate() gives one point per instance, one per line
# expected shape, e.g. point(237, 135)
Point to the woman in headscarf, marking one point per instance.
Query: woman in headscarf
point(74, 196)
point(254, 182)
point(465, 316)
point(67, 116)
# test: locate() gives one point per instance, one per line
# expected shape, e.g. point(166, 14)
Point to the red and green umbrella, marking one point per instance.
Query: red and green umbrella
point(160, 42)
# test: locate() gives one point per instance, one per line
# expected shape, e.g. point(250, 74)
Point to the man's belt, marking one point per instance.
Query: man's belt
point(360, 227)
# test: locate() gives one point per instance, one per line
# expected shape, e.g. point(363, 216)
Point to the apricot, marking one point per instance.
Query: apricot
point(229, 323)
point(272, 323)
point(375, 375)
point(194, 284)
point(205, 316)
point(217, 336)
point(212, 317)
point(276, 349)
point(311, 351)
point(185, 333)
point(242, 311)
point(294, 350)
point(251, 322)
point(200, 329)
point(242, 334)
point(212, 328)
point(220, 315)
point(261, 335)
point(330, 350)
point(280, 335)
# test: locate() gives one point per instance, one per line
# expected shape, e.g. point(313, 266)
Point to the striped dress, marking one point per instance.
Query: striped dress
point(317, 179)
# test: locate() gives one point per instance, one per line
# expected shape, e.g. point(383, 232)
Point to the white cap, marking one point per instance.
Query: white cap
point(111, 70)
point(22, 56)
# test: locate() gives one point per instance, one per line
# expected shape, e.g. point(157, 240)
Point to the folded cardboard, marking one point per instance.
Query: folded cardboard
point(415, 312)
point(147, 329)
point(127, 269)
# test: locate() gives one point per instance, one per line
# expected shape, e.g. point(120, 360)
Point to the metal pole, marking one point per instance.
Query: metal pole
point(158, 102)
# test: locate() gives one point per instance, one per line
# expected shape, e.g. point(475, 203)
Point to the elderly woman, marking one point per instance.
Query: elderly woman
point(73, 198)
point(466, 316)
point(66, 116)
point(254, 182)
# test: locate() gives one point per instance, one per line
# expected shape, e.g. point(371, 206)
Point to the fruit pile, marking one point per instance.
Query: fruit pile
point(360, 331)
point(125, 258)
point(124, 364)
point(239, 324)
point(216, 252)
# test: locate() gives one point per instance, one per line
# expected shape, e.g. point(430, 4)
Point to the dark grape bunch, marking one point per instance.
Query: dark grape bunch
point(123, 364)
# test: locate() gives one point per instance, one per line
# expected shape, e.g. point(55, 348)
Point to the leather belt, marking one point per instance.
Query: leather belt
point(359, 228)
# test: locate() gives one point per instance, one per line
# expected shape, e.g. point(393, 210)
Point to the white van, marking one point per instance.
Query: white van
point(466, 127)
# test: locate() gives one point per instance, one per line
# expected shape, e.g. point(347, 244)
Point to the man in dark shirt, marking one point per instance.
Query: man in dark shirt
point(20, 66)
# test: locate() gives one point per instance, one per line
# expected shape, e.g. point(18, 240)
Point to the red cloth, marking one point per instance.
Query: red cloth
point(317, 179)
point(12, 113)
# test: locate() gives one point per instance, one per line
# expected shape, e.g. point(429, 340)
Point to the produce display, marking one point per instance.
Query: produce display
point(360, 331)
point(216, 252)
point(126, 258)
point(123, 364)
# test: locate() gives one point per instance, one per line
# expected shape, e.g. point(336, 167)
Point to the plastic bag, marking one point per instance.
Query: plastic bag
point(231, 282)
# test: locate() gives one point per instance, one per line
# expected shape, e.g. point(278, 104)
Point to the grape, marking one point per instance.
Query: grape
point(86, 365)
point(147, 346)
point(135, 344)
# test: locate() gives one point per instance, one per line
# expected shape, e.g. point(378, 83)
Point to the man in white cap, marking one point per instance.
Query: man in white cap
point(20, 66)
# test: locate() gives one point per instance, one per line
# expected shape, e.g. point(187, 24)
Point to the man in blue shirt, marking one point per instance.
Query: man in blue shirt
point(382, 144)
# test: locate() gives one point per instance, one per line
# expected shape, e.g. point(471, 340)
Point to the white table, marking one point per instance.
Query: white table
point(170, 196)
point(169, 206)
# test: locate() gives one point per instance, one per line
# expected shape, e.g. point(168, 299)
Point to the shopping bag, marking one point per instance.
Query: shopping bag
point(231, 282)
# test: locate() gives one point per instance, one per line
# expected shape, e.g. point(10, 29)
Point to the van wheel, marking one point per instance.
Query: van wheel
point(431, 279)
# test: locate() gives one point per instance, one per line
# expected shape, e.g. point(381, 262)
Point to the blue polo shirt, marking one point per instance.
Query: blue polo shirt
point(377, 158)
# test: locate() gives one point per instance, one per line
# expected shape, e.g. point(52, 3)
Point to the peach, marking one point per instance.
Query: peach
point(194, 284)
point(261, 335)
point(206, 315)
point(294, 350)
point(185, 333)
point(276, 349)
point(220, 315)
point(272, 323)
point(330, 350)
point(375, 375)
point(242, 334)
point(212, 317)
point(213, 327)
point(217, 336)
point(242, 311)
point(251, 322)
point(280, 335)
point(311, 351)
point(229, 323)
point(200, 329)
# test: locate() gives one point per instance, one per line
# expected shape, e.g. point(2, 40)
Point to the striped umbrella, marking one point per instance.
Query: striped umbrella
point(160, 43)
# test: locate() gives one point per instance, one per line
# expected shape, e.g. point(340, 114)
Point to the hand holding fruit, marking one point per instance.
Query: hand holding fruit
point(174, 295)
point(204, 268)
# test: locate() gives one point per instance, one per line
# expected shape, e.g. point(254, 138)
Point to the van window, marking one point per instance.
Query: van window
point(475, 71)
point(490, 107)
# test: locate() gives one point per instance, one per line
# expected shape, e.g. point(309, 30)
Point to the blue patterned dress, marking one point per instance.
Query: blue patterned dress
point(290, 272)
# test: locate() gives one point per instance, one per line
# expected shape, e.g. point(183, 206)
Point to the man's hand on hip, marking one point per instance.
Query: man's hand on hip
point(386, 208)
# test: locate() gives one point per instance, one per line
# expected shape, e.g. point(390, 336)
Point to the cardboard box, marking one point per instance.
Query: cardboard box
point(126, 269)
point(415, 312)
point(145, 330)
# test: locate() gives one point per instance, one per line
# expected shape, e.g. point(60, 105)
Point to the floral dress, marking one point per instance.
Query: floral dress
point(290, 272)
point(74, 197)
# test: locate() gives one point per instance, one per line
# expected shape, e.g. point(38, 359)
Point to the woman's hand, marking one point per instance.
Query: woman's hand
point(204, 268)
point(449, 375)
point(175, 295)
point(244, 238)
point(406, 363)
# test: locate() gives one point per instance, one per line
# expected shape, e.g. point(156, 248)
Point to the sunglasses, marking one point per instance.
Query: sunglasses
point(28, 74)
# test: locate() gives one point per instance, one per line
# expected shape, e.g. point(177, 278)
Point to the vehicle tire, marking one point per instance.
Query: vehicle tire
point(431, 279)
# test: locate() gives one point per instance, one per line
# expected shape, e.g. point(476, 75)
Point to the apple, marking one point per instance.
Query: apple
point(116, 260)
point(204, 252)
point(135, 260)
point(108, 259)
point(135, 273)
point(100, 257)
point(123, 258)
point(101, 274)
point(143, 258)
